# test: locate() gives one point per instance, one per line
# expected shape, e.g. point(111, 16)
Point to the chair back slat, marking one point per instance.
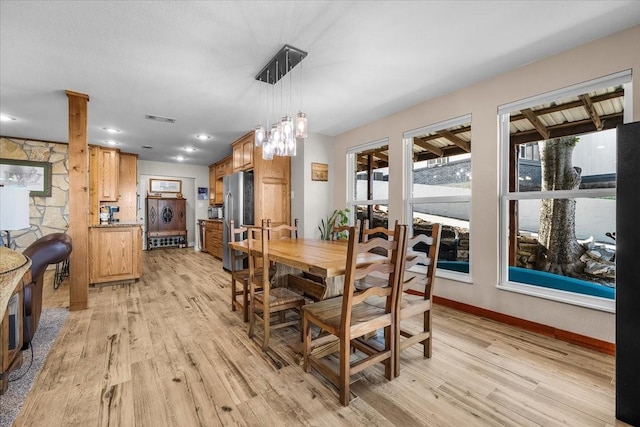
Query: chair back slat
point(369, 245)
point(370, 233)
point(377, 267)
point(282, 230)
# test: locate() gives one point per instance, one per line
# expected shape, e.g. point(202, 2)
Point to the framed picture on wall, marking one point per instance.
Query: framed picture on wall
point(36, 176)
point(165, 186)
point(319, 172)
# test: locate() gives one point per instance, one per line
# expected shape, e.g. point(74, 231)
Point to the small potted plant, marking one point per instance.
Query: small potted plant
point(338, 217)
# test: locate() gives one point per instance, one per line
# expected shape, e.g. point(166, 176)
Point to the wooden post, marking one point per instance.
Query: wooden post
point(78, 201)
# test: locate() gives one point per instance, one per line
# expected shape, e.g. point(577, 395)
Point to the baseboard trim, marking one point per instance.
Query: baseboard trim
point(550, 331)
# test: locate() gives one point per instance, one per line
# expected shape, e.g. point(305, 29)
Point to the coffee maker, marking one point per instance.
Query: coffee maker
point(107, 214)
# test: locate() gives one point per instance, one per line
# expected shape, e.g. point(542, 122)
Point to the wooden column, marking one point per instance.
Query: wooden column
point(78, 201)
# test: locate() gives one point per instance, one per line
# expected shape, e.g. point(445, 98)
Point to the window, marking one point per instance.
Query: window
point(439, 189)
point(558, 192)
point(368, 194)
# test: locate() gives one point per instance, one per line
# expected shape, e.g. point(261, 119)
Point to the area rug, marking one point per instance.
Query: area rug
point(21, 380)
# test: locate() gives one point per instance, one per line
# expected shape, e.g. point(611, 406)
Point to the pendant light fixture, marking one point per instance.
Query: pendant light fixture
point(280, 138)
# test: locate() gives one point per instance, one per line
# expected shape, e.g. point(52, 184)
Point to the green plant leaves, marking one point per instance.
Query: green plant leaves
point(338, 217)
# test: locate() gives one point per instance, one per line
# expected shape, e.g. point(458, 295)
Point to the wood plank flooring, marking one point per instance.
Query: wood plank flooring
point(168, 351)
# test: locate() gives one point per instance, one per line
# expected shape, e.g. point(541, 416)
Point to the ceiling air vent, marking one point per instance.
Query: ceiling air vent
point(160, 119)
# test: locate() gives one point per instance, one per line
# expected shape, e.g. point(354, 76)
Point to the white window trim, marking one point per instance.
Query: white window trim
point(588, 301)
point(351, 173)
point(409, 200)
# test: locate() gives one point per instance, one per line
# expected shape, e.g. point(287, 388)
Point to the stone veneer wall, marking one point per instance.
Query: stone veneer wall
point(47, 214)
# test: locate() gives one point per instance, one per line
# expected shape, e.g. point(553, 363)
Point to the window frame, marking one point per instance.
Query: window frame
point(504, 111)
point(352, 202)
point(410, 201)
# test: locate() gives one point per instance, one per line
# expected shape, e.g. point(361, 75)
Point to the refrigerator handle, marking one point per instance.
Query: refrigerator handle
point(228, 199)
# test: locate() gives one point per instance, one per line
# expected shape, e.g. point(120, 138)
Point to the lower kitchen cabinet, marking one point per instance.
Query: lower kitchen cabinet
point(115, 252)
point(213, 238)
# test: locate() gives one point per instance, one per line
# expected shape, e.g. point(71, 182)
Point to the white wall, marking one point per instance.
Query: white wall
point(599, 58)
point(192, 177)
point(312, 199)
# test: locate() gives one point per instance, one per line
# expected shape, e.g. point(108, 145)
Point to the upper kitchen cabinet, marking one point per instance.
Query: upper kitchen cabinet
point(212, 184)
point(128, 187)
point(243, 153)
point(222, 168)
point(108, 161)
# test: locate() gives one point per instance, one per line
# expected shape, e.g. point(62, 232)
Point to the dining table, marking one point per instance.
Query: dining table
point(314, 266)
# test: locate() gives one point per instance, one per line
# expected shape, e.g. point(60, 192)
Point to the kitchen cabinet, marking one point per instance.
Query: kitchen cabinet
point(128, 188)
point(213, 237)
point(166, 222)
point(243, 153)
point(212, 184)
point(108, 174)
point(115, 252)
point(223, 168)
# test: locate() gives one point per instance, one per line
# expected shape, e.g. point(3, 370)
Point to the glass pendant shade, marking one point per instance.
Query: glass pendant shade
point(290, 146)
point(267, 150)
point(275, 133)
point(287, 126)
point(301, 125)
point(259, 135)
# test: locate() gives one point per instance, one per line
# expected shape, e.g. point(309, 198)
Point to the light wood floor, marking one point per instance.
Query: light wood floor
point(168, 351)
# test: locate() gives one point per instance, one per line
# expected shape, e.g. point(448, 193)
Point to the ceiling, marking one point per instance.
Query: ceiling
point(196, 62)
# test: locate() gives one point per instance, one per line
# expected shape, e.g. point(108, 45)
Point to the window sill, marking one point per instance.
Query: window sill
point(588, 301)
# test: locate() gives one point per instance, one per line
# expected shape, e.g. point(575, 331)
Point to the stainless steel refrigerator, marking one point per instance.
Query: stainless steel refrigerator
point(237, 206)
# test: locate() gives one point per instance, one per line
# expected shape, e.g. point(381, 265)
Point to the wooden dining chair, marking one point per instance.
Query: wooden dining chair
point(417, 290)
point(239, 275)
point(268, 301)
point(280, 231)
point(339, 232)
point(349, 317)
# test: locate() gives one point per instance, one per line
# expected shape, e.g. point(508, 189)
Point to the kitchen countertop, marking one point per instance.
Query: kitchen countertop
point(116, 224)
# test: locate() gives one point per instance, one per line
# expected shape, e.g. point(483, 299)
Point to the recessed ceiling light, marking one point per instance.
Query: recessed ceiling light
point(189, 149)
point(5, 118)
point(180, 158)
point(111, 130)
point(112, 142)
point(203, 137)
